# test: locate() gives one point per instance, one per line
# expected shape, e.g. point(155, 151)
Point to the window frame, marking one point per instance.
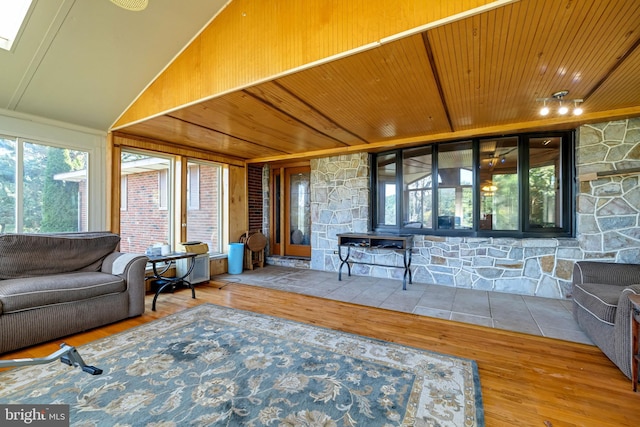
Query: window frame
point(86, 207)
point(124, 188)
point(164, 188)
point(174, 181)
point(567, 190)
point(197, 164)
point(193, 186)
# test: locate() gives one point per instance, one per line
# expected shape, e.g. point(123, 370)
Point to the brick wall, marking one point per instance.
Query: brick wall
point(255, 197)
point(202, 223)
point(143, 223)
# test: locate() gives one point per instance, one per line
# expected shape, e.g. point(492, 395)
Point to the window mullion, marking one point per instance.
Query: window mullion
point(475, 144)
point(434, 186)
point(523, 177)
point(400, 203)
point(19, 182)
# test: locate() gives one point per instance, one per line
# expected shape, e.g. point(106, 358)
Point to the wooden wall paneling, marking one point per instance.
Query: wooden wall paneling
point(250, 42)
point(113, 184)
point(176, 133)
point(238, 217)
point(135, 141)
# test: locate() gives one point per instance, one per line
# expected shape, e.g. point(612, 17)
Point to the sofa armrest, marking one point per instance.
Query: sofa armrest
point(118, 262)
point(131, 267)
point(622, 329)
point(606, 272)
point(623, 311)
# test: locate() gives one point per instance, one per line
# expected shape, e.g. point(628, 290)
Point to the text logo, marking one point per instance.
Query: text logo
point(34, 415)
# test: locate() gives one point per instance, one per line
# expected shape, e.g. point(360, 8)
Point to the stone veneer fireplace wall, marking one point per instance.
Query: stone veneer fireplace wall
point(608, 224)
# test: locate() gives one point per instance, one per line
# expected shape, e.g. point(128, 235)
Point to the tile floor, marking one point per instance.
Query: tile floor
point(533, 315)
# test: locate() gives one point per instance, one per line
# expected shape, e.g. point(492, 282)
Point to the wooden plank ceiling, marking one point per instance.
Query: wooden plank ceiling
point(477, 76)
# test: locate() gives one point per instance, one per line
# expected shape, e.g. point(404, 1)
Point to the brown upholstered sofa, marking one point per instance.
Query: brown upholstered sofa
point(602, 307)
point(52, 285)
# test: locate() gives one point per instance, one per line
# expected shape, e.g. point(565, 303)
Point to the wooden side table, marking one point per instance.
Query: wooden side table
point(635, 337)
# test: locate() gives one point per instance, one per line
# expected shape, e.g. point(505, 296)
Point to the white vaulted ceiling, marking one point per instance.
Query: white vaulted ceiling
point(84, 61)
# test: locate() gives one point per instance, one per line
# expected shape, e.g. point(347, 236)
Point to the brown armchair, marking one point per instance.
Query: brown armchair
point(602, 307)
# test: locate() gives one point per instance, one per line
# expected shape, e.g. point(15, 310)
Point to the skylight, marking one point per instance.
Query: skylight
point(12, 14)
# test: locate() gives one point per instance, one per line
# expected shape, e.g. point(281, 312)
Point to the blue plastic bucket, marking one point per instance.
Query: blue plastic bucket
point(236, 257)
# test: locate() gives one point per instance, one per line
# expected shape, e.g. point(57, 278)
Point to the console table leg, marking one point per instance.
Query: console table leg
point(344, 261)
point(407, 269)
point(160, 289)
point(193, 289)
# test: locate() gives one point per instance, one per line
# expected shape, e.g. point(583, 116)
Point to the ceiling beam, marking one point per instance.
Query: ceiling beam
point(265, 101)
point(434, 70)
point(615, 66)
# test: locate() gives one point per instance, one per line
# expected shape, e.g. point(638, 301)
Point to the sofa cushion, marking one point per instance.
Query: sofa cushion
point(599, 299)
point(28, 255)
point(28, 293)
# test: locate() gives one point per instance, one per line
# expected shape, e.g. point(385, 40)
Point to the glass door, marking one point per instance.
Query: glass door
point(291, 210)
point(298, 211)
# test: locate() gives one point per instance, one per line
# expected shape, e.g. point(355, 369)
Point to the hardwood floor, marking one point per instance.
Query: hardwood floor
point(526, 380)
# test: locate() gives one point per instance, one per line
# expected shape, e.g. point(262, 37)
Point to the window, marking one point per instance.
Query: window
point(417, 175)
point(387, 189)
point(153, 202)
point(545, 192)
point(520, 185)
point(498, 170)
point(8, 196)
point(204, 199)
point(455, 186)
point(147, 220)
point(43, 188)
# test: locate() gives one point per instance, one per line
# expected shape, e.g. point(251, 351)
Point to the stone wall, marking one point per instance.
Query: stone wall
point(340, 198)
point(608, 224)
point(609, 208)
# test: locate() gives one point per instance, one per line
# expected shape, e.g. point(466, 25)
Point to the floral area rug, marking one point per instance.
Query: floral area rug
point(212, 365)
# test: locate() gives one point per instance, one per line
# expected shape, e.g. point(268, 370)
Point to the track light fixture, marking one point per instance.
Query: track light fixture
point(563, 104)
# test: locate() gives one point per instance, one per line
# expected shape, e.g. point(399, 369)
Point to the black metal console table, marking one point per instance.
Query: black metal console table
point(163, 282)
point(393, 242)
